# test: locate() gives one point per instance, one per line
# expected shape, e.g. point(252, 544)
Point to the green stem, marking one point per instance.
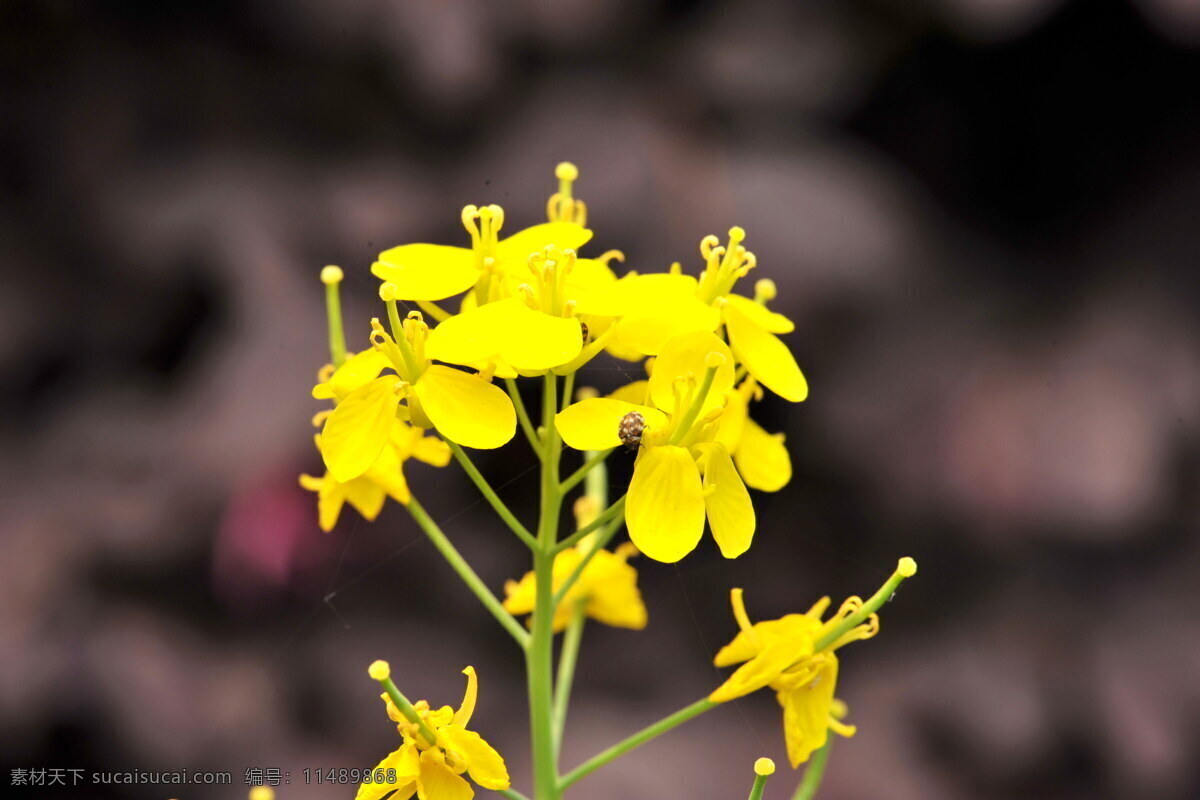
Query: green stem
point(406, 708)
point(511, 794)
point(760, 783)
point(604, 516)
point(598, 544)
point(693, 411)
point(814, 772)
point(540, 653)
point(522, 415)
point(568, 389)
point(578, 475)
point(337, 333)
point(473, 581)
point(906, 569)
point(490, 495)
point(641, 737)
point(567, 660)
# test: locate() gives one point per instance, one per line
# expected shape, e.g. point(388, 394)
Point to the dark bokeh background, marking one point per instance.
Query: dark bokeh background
point(982, 214)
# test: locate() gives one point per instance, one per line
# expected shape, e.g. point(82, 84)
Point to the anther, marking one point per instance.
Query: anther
point(737, 234)
point(388, 292)
point(379, 670)
point(907, 567)
point(707, 246)
point(331, 275)
point(764, 767)
point(765, 290)
point(714, 360)
point(566, 171)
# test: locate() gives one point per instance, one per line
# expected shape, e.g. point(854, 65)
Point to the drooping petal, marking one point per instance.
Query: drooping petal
point(765, 356)
point(465, 709)
point(484, 764)
point(747, 644)
point(761, 315)
point(404, 760)
point(427, 271)
point(759, 671)
point(726, 501)
point(684, 356)
point(331, 496)
point(465, 408)
point(594, 424)
point(514, 251)
point(387, 475)
point(762, 458)
point(358, 428)
point(806, 712)
point(367, 497)
point(438, 782)
point(665, 509)
point(613, 595)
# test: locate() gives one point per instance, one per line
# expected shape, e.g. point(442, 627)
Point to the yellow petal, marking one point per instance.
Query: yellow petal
point(684, 356)
point(427, 271)
point(465, 408)
point(356, 371)
point(658, 308)
point(760, 314)
point(593, 287)
point(759, 671)
point(594, 424)
point(637, 392)
point(367, 497)
point(358, 428)
point(331, 496)
point(765, 356)
point(472, 336)
point(537, 341)
point(806, 712)
point(463, 715)
point(732, 422)
point(613, 596)
point(514, 251)
point(730, 512)
point(520, 596)
point(404, 761)
point(484, 764)
point(387, 475)
point(438, 782)
point(762, 458)
point(665, 509)
point(747, 644)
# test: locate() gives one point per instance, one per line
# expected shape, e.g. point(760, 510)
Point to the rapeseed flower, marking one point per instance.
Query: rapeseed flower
point(437, 749)
point(465, 407)
point(607, 588)
point(796, 656)
point(682, 475)
point(663, 306)
point(761, 457)
point(430, 272)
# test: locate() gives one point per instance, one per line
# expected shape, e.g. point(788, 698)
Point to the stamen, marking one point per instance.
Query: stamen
point(765, 291)
point(325, 373)
point(743, 619)
point(707, 245)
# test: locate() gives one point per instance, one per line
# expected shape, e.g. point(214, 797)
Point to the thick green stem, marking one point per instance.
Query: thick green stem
point(490, 495)
point(814, 772)
point(522, 415)
point(760, 783)
point(604, 516)
point(473, 581)
point(406, 708)
point(593, 461)
point(540, 653)
point(641, 737)
point(567, 659)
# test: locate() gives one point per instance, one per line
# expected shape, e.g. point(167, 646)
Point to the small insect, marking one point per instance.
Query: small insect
point(583, 328)
point(630, 431)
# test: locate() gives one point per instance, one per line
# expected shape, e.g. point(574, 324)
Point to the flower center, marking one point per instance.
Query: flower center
point(723, 265)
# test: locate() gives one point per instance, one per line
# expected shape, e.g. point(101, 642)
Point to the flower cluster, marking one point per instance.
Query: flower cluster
point(530, 304)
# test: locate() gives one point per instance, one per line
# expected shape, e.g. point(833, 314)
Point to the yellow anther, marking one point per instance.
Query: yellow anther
point(611, 255)
point(566, 171)
point(907, 567)
point(379, 670)
point(765, 290)
point(764, 767)
point(737, 234)
point(470, 215)
point(586, 509)
point(319, 418)
point(325, 373)
point(569, 308)
point(587, 393)
point(262, 793)
point(388, 292)
point(708, 245)
point(739, 612)
point(331, 275)
point(714, 360)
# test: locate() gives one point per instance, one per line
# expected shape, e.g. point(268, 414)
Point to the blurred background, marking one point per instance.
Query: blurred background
point(982, 215)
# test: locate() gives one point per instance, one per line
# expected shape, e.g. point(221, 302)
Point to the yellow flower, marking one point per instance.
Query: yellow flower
point(464, 407)
point(539, 326)
point(661, 307)
point(435, 272)
point(761, 457)
point(433, 770)
point(682, 475)
point(607, 587)
point(383, 479)
point(781, 653)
